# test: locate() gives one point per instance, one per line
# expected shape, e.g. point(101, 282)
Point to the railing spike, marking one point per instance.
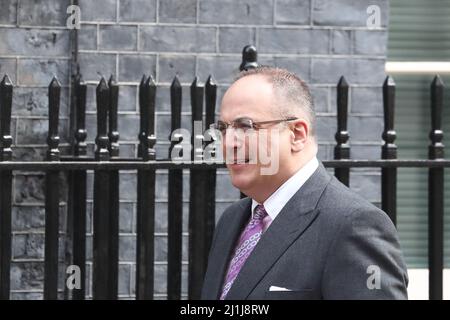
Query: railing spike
point(342, 148)
point(6, 81)
point(389, 152)
point(176, 82)
point(249, 58)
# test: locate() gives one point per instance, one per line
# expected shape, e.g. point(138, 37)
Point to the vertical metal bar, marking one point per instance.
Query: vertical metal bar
point(113, 147)
point(74, 76)
point(101, 199)
point(197, 212)
point(52, 196)
point(342, 149)
point(389, 151)
point(249, 61)
point(175, 205)
point(210, 190)
point(249, 58)
point(6, 94)
point(146, 193)
point(78, 190)
point(436, 194)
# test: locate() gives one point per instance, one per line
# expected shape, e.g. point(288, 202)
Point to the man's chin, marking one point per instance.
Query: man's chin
point(241, 183)
point(243, 175)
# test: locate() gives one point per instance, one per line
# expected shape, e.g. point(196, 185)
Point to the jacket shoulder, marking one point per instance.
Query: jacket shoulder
point(340, 205)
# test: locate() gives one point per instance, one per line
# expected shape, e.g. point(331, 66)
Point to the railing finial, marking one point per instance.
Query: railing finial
point(80, 89)
point(102, 141)
point(113, 134)
point(54, 93)
point(6, 96)
point(249, 58)
point(389, 150)
point(147, 139)
point(436, 149)
point(342, 148)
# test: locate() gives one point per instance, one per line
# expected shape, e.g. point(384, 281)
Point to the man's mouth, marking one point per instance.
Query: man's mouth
point(241, 161)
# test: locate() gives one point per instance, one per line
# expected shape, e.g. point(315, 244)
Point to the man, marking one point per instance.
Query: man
point(300, 233)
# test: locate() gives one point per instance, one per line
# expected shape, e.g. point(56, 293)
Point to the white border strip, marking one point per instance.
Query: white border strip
point(418, 284)
point(421, 67)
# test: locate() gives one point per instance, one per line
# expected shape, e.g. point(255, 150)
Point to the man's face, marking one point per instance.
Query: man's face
point(252, 97)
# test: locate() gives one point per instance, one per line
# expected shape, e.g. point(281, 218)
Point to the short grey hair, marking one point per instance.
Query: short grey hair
point(288, 88)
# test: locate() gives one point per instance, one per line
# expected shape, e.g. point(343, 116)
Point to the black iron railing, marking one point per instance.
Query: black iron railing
point(107, 163)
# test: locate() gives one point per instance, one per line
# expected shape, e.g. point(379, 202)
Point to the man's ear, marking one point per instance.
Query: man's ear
point(299, 134)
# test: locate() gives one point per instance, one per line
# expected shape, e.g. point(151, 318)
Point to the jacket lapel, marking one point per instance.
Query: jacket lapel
point(296, 216)
point(226, 243)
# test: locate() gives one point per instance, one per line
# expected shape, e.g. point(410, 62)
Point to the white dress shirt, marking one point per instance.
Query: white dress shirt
point(286, 191)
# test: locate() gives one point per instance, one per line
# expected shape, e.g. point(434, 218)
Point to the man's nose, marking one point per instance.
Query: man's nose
point(234, 138)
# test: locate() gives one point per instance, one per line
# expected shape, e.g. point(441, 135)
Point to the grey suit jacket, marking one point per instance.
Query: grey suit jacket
point(326, 243)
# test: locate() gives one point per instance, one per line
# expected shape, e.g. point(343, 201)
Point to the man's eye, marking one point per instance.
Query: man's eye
point(244, 125)
point(221, 126)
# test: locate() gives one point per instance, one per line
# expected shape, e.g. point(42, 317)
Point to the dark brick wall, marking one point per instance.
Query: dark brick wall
point(318, 39)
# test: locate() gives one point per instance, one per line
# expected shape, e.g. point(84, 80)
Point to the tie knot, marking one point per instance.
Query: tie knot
point(260, 213)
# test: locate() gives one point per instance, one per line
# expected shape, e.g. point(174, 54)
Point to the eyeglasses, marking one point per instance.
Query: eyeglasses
point(246, 124)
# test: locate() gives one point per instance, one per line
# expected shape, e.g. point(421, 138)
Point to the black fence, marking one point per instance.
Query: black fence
point(106, 165)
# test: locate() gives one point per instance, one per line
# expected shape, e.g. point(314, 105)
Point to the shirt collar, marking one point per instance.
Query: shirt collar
point(286, 191)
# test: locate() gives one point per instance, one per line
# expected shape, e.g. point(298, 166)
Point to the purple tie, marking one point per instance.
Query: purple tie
point(247, 243)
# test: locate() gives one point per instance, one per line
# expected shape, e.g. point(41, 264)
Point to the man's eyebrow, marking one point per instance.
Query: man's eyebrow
point(238, 118)
point(242, 118)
